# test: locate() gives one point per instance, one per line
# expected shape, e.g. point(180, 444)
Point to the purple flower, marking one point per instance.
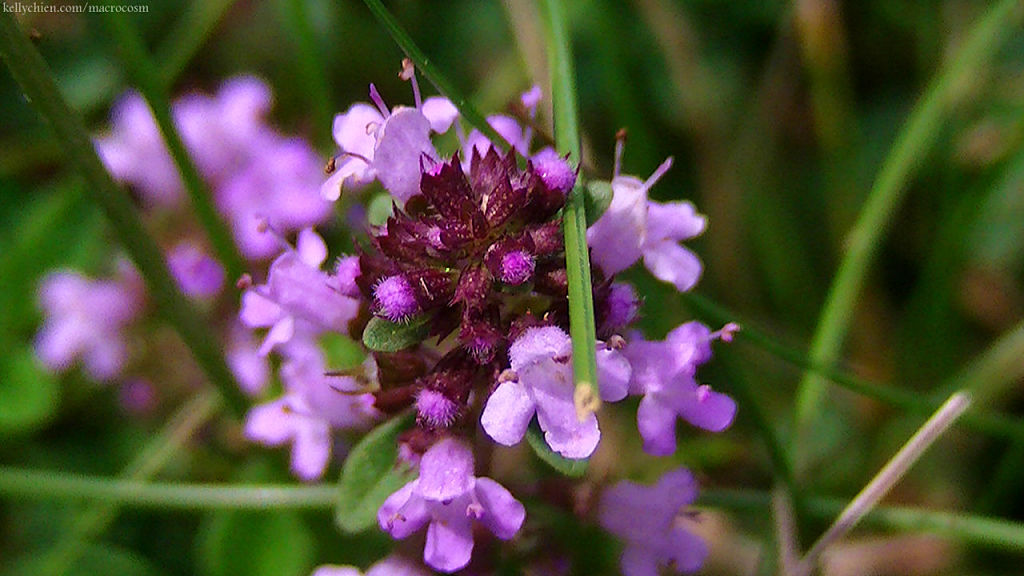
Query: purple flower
point(250, 368)
point(198, 275)
point(448, 497)
point(313, 404)
point(86, 319)
point(647, 519)
point(390, 566)
point(543, 384)
point(134, 153)
point(664, 373)
point(388, 145)
point(635, 227)
point(298, 296)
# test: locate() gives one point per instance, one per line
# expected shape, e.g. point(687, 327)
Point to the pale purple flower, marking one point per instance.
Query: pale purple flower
point(635, 227)
point(312, 406)
point(197, 273)
point(85, 319)
point(387, 144)
point(649, 520)
point(390, 566)
point(448, 497)
point(507, 127)
point(298, 296)
point(134, 153)
point(664, 373)
point(541, 362)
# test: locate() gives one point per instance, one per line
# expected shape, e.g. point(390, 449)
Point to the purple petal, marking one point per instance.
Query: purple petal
point(684, 551)
point(507, 413)
point(404, 512)
point(657, 424)
point(311, 448)
point(449, 545)
point(674, 221)
point(617, 236)
point(311, 248)
point(104, 358)
point(353, 130)
point(279, 333)
point(446, 471)
point(269, 424)
point(404, 141)
point(503, 514)
point(673, 263)
point(538, 345)
point(258, 311)
point(196, 272)
point(440, 112)
point(706, 408)
point(249, 368)
point(329, 570)
point(397, 566)
point(351, 172)
point(613, 372)
point(556, 414)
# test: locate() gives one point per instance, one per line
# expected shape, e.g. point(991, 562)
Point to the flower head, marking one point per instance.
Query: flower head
point(635, 227)
point(664, 373)
point(448, 498)
point(647, 519)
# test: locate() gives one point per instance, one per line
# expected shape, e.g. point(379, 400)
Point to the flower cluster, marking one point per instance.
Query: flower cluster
point(461, 300)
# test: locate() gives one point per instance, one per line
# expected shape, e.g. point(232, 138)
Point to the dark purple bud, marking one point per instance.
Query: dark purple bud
point(622, 305)
point(516, 267)
point(547, 238)
point(431, 287)
point(434, 409)
point(473, 287)
point(554, 171)
point(396, 299)
point(447, 189)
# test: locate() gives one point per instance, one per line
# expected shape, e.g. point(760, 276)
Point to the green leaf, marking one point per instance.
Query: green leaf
point(96, 559)
point(256, 544)
point(381, 207)
point(384, 335)
point(371, 473)
point(30, 393)
point(343, 353)
point(596, 198)
point(567, 466)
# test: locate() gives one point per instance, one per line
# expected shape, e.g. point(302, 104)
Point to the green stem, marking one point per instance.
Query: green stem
point(993, 371)
point(53, 486)
point(151, 84)
point(311, 68)
point(153, 457)
point(911, 145)
point(992, 532)
point(574, 222)
point(36, 80)
point(56, 487)
point(190, 33)
point(440, 81)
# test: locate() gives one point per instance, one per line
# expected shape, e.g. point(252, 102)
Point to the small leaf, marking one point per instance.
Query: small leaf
point(381, 208)
point(383, 335)
point(371, 473)
point(596, 198)
point(567, 466)
point(343, 353)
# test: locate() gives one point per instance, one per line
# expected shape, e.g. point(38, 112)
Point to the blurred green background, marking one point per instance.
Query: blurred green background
point(779, 115)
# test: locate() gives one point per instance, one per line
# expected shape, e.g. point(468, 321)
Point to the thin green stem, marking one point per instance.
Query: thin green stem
point(574, 222)
point(54, 486)
point(189, 34)
point(182, 426)
point(295, 15)
point(993, 532)
point(36, 80)
point(993, 371)
point(440, 81)
point(912, 144)
point(150, 82)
